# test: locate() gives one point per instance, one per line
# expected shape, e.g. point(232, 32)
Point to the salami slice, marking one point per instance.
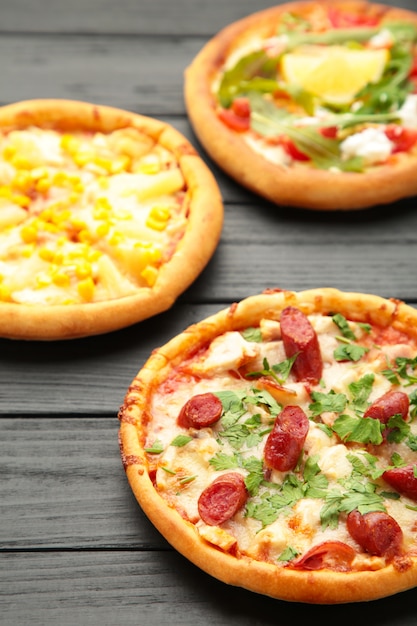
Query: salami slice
point(376, 532)
point(300, 338)
point(200, 411)
point(221, 500)
point(285, 442)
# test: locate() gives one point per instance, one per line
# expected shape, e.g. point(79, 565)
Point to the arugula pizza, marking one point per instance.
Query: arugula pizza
point(274, 444)
point(312, 104)
point(106, 216)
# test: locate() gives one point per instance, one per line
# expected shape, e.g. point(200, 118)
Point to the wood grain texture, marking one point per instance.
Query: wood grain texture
point(75, 548)
point(139, 17)
point(155, 588)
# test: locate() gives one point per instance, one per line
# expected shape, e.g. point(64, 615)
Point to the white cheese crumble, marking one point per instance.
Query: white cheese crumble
point(371, 144)
point(408, 111)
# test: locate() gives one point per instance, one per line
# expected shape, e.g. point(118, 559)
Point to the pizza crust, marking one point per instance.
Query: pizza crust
point(205, 220)
point(318, 587)
point(308, 188)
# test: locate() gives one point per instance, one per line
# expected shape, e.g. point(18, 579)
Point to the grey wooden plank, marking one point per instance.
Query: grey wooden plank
point(141, 74)
point(63, 485)
point(86, 376)
point(156, 589)
point(132, 16)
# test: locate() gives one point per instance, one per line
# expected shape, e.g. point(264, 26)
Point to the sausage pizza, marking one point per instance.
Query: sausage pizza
point(274, 444)
point(106, 217)
point(312, 104)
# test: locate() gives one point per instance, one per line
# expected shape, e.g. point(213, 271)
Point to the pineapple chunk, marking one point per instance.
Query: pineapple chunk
point(112, 280)
point(11, 214)
point(165, 182)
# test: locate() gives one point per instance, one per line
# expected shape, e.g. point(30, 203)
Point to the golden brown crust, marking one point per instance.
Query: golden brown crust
point(319, 587)
point(308, 188)
point(20, 321)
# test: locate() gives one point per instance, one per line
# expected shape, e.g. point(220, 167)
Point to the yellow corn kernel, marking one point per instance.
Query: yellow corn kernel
point(103, 229)
point(150, 274)
point(51, 228)
point(150, 253)
point(86, 289)
point(28, 250)
point(46, 215)
point(102, 204)
point(116, 238)
point(9, 152)
point(58, 217)
point(22, 180)
point(70, 143)
point(46, 254)
point(43, 184)
point(102, 162)
point(21, 162)
point(120, 164)
point(29, 233)
point(5, 191)
point(78, 224)
point(158, 217)
point(58, 257)
point(85, 236)
point(5, 294)
point(103, 182)
point(101, 210)
point(93, 255)
point(155, 224)
point(83, 157)
point(21, 200)
point(83, 270)
point(149, 165)
point(43, 280)
point(123, 214)
point(61, 279)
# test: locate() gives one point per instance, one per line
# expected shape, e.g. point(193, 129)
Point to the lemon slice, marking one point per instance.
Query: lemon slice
point(334, 73)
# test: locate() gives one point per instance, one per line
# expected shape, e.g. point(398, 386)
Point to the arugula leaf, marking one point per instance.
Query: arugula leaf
point(358, 429)
point(334, 402)
point(255, 67)
point(323, 151)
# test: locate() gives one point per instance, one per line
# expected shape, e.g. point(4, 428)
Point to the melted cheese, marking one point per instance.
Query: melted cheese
point(85, 217)
point(297, 524)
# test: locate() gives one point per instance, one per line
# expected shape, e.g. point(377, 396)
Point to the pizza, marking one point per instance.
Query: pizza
point(106, 218)
point(312, 104)
point(274, 444)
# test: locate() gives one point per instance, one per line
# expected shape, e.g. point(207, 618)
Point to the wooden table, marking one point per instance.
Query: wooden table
point(75, 546)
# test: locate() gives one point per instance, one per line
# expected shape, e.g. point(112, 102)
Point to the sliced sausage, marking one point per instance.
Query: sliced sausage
point(403, 479)
point(391, 403)
point(286, 440)
point(200, 411)
point(376, 532)
point(221, 500)
point(299, 337)
point(334, 555)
